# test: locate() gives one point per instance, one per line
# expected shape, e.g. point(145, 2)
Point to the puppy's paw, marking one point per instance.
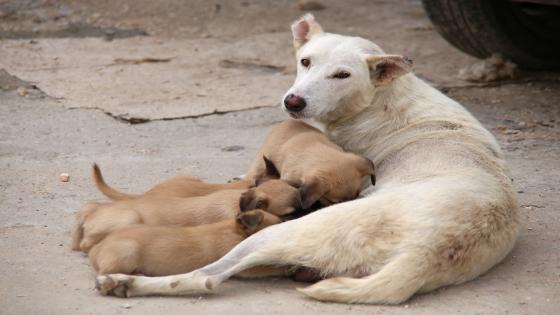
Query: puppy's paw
point(116, 285)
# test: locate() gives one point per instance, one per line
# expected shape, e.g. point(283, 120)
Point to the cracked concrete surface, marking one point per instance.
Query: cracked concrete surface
point(72, 124)
point(200, 78)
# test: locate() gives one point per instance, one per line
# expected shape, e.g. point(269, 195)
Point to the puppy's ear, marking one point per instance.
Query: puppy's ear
point(251, 200)
point(271, 170)
point(305, 28)
point(250, 220)
point(367, 167)
point(245, 200)
point(383, 69)
point(310, 192)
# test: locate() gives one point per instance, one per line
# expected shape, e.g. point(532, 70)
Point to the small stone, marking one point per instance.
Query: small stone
point(126, 305)
point(22, 91)
point(64, 177)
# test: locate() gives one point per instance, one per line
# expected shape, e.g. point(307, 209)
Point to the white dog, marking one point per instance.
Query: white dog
point(443, 211)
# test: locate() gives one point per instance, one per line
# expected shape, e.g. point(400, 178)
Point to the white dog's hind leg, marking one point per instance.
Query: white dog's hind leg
point(245, 255)
point(394, 283)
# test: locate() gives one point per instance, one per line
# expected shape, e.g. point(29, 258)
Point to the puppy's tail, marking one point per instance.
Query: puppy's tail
point(78, 230)
point(394, 283)
point(106, 189)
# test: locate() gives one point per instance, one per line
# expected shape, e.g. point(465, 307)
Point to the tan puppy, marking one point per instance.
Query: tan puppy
point(167, 250)
point(96, 220)
point(305, 157)
point(180, 186)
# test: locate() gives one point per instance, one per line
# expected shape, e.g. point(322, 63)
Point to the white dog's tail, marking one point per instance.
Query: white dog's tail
point(394, 283)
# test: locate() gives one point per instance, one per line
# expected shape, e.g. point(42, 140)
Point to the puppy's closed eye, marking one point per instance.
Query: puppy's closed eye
point(260, 204)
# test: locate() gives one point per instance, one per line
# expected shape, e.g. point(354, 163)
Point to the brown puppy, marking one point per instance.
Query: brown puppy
point(305, 157)
point(167, 250)
point(180, 186)
point(96, 220)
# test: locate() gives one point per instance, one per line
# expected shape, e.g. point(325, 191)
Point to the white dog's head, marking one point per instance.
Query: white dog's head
point(336, 72)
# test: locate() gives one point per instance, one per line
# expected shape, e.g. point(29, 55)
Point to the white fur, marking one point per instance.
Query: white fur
point(443, 211)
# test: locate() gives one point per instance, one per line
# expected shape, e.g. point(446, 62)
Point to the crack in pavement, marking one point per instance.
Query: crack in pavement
point(141, 120)
point(9, 82)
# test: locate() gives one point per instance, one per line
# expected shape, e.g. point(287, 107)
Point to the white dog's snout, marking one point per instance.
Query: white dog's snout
point(294, 103)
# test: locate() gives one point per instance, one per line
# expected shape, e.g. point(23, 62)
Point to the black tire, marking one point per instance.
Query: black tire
point(528, 34)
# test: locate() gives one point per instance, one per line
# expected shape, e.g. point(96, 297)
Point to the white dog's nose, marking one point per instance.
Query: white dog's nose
point(294, 103)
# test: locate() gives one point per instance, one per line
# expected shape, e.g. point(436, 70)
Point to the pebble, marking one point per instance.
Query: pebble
point(64, 177)
point(22, 91)
point(126, 305)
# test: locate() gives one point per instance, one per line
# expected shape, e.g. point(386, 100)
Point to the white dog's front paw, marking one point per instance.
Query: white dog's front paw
point(116, 284)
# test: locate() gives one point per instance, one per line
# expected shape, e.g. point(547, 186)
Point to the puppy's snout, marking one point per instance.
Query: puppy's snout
point(294, 103)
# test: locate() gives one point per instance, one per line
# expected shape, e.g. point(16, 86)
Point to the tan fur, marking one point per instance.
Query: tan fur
point(78, 229)
point(180, 186)
point(305, 157)
point(166, 250)
point(95, 221)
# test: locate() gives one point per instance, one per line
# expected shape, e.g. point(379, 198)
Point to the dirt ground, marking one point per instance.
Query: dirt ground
point(71, 94)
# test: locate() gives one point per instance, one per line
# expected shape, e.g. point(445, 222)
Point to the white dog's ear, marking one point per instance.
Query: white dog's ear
point(383, 69)
point(305, 28)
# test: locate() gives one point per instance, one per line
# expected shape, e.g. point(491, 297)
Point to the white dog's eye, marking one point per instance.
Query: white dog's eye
point(341, 75)
point(305, 62)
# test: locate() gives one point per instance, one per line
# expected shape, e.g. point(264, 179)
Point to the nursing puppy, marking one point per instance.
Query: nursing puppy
point(180, 186)
point(96, 220)
point(443, 211)
point(167, 250)
point(303, 156)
